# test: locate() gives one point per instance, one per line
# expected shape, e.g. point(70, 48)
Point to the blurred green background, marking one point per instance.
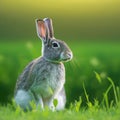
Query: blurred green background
point(90, 27)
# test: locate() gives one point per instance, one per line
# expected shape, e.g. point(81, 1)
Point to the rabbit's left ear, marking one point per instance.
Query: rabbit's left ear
point(49, 25)
point(42, 30)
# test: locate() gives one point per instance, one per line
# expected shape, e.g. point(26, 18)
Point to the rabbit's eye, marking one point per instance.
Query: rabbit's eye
point(55, 45)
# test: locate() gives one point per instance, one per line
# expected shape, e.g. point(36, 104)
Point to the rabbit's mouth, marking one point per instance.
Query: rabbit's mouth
point(67, 59)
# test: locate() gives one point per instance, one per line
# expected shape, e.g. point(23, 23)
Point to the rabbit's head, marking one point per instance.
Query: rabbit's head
point(53, 50)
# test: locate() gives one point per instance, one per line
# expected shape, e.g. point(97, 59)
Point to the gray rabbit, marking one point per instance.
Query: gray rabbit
point(43, 79)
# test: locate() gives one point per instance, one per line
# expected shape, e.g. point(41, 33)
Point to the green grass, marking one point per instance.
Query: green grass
point(90, 114)
point(93, 111)
point(92, 81)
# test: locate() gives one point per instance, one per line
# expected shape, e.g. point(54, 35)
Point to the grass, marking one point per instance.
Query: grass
point(93, 111)
point(89, 114)
point(75, 111)
point(92, 81)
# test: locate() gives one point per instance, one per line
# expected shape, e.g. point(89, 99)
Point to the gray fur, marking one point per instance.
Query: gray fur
point(43, 79)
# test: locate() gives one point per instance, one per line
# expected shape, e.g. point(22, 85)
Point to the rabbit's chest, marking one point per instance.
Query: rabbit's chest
point(56, 77)
point(49, 79)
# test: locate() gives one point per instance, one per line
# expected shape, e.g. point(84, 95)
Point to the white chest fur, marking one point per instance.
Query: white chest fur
point(49, 79)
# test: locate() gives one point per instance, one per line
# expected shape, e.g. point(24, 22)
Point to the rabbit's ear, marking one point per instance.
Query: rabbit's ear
point(42, 29)
point(49, 24)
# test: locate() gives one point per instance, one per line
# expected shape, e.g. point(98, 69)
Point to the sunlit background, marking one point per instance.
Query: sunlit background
point(73, 19)
point(90, 27)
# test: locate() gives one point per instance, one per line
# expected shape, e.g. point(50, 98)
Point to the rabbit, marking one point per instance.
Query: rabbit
point(43, 79)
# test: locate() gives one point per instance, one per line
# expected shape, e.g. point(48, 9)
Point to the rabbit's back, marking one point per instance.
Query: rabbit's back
point(24, 77)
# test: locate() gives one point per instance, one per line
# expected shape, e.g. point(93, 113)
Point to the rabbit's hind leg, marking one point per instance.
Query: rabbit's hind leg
point(24, 98)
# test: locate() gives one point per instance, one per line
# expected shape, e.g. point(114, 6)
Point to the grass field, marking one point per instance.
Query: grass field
point(86, 76)
point(92, 113)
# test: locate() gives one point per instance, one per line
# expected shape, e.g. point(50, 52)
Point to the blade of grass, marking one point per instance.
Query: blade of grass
point(86, 95)
point(105, 98)
point(98, 77)
point(114, 89)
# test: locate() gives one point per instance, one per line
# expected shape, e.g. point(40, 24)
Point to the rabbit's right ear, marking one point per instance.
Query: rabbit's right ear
point(49, 24)
point(42, 30)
